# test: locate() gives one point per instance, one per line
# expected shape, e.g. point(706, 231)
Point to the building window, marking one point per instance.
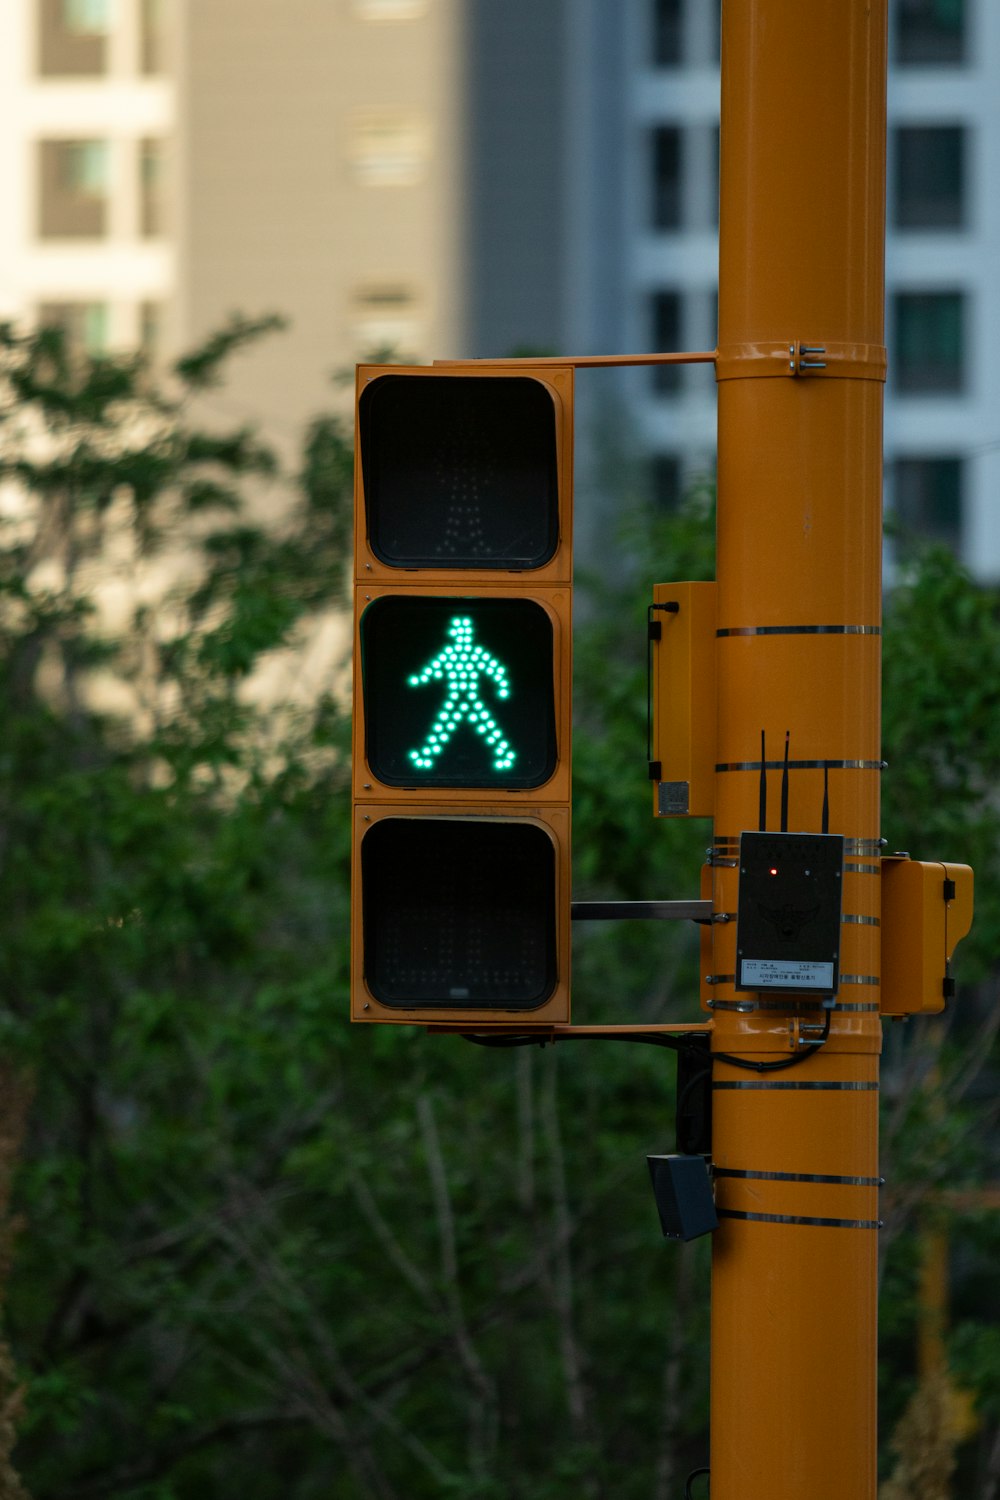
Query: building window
point(929, 342)
point(74, 182)
point(390, 10)
point(151, 328)
point(930, 177)
point(87, 17)
point(667, 154)
point(668, 33)
point(685, 32)
point(85, 324)
point(152, 37)
point(391, 298)
point(665, 329)
point(151, 189)
point(666, 483)
point(390, 149)
point(72, 37)
point(927, 500)
point(930, 32)
point(385, 321)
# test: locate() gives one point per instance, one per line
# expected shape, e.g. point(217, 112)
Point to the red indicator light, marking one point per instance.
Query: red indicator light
point(773, 870)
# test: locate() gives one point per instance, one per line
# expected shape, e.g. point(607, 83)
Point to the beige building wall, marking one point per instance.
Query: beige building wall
point(319, 172)
point(166, 163)
point(85, 106)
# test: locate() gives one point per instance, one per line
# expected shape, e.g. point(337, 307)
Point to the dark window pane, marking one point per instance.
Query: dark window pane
point(668, 33)
point(930, 177)
point(930, 32)
point(459, 911)
point(152, 37)
point(72, 37)
point(150, 328)
point(666, 336)
point(665, 481)
point(74, 180)
point(928, 499)
point(85, 324)
point(666, 177)
point(458, 691)
point(151, 188)
point(929, 342)
point(460, 472)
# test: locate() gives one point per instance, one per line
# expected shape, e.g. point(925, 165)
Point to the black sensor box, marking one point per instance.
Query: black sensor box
point(790, 904)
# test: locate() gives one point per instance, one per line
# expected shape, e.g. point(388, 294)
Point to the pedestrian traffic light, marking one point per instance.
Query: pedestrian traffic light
point(462, 680)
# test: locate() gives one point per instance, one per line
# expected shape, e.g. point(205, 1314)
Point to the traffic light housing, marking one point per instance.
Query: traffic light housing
point(462, 692)
point(926, 912)
point(683, 727)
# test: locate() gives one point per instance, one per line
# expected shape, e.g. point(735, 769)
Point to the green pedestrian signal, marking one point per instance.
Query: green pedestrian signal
point(492, 721)
point(461, 664)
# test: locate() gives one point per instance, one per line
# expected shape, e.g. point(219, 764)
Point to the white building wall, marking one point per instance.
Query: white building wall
point(120, 268)
point(680, 425)
point(965, 425)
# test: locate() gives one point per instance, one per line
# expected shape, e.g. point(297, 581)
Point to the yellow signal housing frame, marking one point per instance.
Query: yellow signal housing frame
point(683, 700)
point(548, 806)
point(926, 911)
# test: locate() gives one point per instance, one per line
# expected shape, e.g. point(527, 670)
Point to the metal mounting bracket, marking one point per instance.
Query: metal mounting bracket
point(802, 357)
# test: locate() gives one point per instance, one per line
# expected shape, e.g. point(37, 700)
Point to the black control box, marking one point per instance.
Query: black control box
point(790, 904)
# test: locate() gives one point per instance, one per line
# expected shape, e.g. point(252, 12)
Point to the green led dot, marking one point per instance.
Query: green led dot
point(461, 662)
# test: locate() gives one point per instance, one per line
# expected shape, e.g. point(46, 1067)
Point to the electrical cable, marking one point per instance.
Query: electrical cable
point(654, 632)
point(782, 1063)
point(694, 1474)
point(784, 785)
point(762, 793)
point(697, 1080)
point(505, 1041)
point(679, 1043)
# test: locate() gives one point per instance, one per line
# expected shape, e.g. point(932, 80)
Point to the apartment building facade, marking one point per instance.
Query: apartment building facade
point(166, 164)
point(459, 177)
point(87, 111)
point(319, 176)
point(942, 414)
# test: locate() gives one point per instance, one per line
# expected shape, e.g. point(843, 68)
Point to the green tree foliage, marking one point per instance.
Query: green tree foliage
point(942, 733)
point(260, 1252)
point(941, 723)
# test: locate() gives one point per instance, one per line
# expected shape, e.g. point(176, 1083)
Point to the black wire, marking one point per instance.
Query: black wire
point(649, 683)
point(784, 786)
point(505, 1041)
point(680, 1043)
point(703, 1078)
point(692, 1083)
point(762, 795)
point(688, 1492)
point(784, 1062)
point(671, 607)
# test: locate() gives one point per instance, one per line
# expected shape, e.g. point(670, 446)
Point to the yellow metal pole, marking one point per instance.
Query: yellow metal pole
point(800, 368)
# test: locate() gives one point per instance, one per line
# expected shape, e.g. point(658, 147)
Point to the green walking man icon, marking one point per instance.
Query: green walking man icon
point(461, 664)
